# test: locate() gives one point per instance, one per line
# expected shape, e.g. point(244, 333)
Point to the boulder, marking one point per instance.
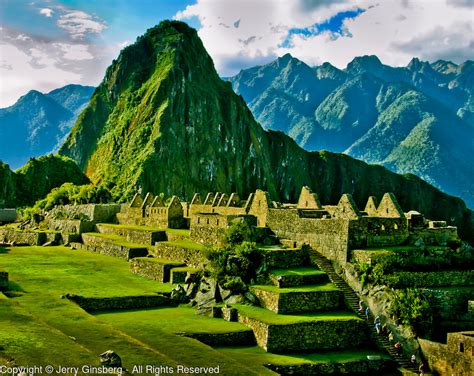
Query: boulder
point(110, 359)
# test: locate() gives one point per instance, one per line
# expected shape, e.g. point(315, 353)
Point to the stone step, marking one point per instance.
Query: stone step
point(278, 257)
point(112, 245)
point(154, 268)
point(181, 274)
point(297, 277)
point(134, 234)
point(311, 298)
point(305, 332)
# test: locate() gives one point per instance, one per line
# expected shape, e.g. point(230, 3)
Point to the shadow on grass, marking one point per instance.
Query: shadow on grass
point(4, 250)
point(15, 287)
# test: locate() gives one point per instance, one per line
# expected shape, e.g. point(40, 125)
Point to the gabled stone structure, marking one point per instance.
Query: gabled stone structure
point(389, 207)
point(371, 206)
point(234, 200)
point(152, 212)
point(308, 199)
point(347, 208)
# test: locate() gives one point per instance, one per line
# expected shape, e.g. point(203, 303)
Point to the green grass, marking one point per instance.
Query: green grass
point(296, 271)
point(403, 248)
point(269, 317)
point(276, 248)
point(118, 240)
point(157, 328)
point(257, 354)
point(185, 243)
point(37, 327)
point(307, 288)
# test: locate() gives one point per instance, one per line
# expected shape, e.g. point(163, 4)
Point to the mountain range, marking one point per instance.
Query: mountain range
point(163, 121)
point(416, 119)
point(38, 123)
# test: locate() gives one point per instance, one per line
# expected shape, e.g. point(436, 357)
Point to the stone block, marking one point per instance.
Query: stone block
point(153, 268)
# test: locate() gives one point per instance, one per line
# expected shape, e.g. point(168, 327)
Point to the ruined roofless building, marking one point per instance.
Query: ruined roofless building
point(333, 230)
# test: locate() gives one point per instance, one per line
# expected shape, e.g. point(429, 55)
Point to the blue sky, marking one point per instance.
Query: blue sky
point(45, 44)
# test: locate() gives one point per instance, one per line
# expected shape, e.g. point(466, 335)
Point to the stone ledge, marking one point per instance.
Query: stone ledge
point(142, 236)
point(108, 247)
point(191, 257)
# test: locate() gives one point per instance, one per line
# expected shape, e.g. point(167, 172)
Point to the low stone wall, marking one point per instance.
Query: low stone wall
point(104, 247)
point(243, 338)
point(435, 279)
point(70, 225)
point(70, 238)
point(449, 304)
point(306, 336)
point(207, 234)
point(92, 212)
point(122, 302)
point(359, 367)
point(188, 256)
point(285, 258)
point(132, 235)
point(24, 237)
point(153, 268)
point(3, 281)
point(172, 236)
point(295, 302)
point(436, 236)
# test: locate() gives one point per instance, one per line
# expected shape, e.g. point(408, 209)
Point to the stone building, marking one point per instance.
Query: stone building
point(152, 211)
point(454, 358)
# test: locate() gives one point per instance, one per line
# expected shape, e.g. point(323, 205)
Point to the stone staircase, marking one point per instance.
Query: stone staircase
point(352, 301)
point(302, 310)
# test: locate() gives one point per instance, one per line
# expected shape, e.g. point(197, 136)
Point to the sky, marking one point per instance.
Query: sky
point(46, 44)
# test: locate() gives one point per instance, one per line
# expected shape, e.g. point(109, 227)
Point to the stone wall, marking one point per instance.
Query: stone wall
point(122, 302)
point(3, 281)
point(328, 236)
point(305, 336)
point(92, 212)
point(132, 235)
point(356, 367)
point(153, 268)
point(435, 279)
point(285, 257)
point(377, 231)
point(188, 256)
point(435, 236)
point(105, 247)
point(287, 303)
point(449, 304)
point(70, 225)
point(20, 237)
point(446, 360)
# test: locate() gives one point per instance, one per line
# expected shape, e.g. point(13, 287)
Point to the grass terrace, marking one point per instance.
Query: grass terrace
point(306, 288)
point(272, 318)
point(118, 240)
point(185, 243)
point(296, 272)
point(182, 232)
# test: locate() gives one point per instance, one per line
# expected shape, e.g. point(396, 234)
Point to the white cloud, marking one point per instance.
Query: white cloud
point(78, 23)
point(393, 30)
point(75, 51)
point(18, 75)
point(47, 12)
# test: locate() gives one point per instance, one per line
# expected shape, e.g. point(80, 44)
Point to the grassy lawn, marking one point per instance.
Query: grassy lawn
point(296, 271)
point(157, 327)
point(404, 248)
point(40, 328)
point(306, 288)
point(117, 239)
point(257, 354)
point(269, 317)
point(185, 243)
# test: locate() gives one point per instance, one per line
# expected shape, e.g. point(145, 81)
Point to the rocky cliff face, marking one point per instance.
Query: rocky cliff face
point(162, 120)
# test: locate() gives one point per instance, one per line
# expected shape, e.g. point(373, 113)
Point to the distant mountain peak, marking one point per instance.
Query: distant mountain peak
point(364, 63)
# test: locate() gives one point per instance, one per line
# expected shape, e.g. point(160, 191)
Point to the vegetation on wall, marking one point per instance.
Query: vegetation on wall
point(69, 193)
point(411, 308)
point(237, 262)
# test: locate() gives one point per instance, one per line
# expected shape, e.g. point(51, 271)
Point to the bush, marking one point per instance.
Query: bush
point(412, 309)
point(239, 231)
point(69, 193)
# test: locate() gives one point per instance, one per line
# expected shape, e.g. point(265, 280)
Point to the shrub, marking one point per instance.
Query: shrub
point(412, 309)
